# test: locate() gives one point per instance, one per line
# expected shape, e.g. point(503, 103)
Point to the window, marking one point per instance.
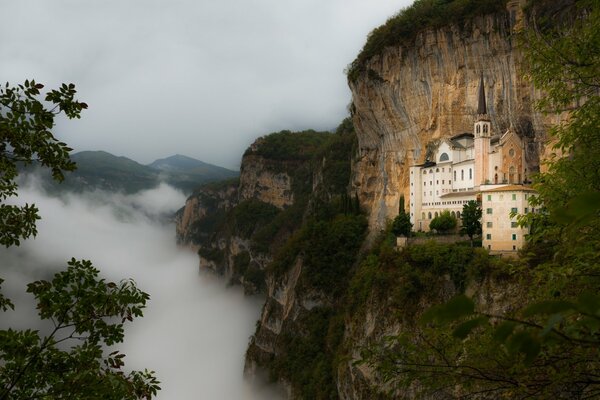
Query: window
point(462, 174)
point(489, 197)
point(514, 210)
point(488, 225)
point(423, 215)
point(511, 152)
point(437, 170)
point(478, 129)
point(424, 172)
point(429, 214)
point(470, 173)
point(436, 214)
point(488, 211)
point(458, 214)
point(444, 157)
point(453, 214)
point(454, 175)
point(443, 181)
point(442, 169)
point(485, 128)
point(424, 183)
point(527, 210)
point(430, 183)
point(437, 182)
point(514, 236)
point(514, 196)
point(514, 225)
point(488, 236)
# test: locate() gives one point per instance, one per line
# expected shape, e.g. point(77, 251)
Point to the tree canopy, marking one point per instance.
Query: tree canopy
point(86, 313)
point(548, 344)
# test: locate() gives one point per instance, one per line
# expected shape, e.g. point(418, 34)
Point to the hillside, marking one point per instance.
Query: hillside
point(102, 170)
point(350, 315)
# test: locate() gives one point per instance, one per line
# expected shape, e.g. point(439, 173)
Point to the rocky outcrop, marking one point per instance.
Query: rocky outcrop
point(416, 93)
point(265, 180)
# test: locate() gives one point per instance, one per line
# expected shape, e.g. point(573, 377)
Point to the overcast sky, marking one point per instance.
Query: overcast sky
point(202, 78)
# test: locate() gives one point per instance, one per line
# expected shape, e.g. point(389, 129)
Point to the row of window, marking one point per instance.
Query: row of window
point(514, 197)
point(462, 173)
point(512, 210)
point(443, 203)
point(513, 224)
point(429, 215)
point(489, 237)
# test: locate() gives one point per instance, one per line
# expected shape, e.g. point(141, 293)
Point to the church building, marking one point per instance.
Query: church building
point(479, 166)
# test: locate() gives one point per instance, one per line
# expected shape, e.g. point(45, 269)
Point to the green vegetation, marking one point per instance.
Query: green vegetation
point(401, 226)
point(251, 214)
point(86, 314)
point(102, 170)
point(471, 220)
point(548, 344)
point(289, 146)
point(403, 28)
point(443, 223)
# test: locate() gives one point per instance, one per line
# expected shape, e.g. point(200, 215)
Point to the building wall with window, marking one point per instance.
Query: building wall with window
point(500, 231)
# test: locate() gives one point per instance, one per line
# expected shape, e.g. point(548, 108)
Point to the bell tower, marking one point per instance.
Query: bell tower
point(482, 131)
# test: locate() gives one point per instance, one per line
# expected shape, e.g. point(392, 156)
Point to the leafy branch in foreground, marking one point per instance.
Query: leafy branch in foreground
point(87, 314)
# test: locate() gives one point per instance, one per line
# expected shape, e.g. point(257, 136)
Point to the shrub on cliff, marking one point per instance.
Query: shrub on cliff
point(403, 28)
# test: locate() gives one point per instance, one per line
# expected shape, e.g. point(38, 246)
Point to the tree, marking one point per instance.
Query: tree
point(471, 220)
point(444, 222)
point(402, 225)
point(549, 347)
point(87, 314)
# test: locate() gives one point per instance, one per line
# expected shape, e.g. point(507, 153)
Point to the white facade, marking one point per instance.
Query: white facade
point(461, 167)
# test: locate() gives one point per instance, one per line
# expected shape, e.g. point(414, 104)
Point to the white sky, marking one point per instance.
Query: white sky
point(196, 77)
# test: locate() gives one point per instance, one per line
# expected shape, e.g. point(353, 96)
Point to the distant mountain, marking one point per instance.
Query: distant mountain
point(187, 172)
point(102, 170)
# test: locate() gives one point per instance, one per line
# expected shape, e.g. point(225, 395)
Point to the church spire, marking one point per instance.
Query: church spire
point(481, 107)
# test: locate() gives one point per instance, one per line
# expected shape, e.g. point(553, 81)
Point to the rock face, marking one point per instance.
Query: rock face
point(427, 90)
point(265, 180)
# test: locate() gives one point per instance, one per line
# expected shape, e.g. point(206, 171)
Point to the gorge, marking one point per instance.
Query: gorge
point(308, 221)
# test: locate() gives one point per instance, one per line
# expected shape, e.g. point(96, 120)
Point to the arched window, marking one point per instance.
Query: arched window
point(436, 214)
point(458, 214)
point(444, 157)
point(478, 129)
point(423, 215)
point(511, 152)
point(470, 173)
point(485, 128)
point(453, 214)
point(437, 170)
point(424, 172)
point(511, 175)
point(429, 214)
point(496, 179)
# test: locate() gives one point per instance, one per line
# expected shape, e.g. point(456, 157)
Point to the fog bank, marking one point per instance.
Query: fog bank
point(195, 330)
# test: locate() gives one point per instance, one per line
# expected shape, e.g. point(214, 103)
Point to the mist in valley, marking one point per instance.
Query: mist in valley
point(195, 329)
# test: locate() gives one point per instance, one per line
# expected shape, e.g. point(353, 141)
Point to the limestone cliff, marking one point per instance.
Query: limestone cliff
point(426, 89)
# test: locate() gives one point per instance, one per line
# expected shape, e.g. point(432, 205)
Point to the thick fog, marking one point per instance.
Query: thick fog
point(195, 330)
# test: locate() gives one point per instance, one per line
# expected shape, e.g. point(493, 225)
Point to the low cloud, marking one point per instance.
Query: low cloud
point(195, 329)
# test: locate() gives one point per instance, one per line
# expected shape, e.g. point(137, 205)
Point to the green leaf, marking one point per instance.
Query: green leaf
point(463, 330)
point(524, 342)
point(549, 307)
point(503, 331)
point(589, 303)
point(457, 307)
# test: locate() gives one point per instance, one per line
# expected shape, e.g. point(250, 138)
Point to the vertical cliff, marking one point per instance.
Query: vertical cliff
point(424, 89)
